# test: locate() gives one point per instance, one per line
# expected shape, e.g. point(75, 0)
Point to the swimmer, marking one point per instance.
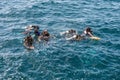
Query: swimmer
point(28, 42)
point(35, 27)
point(30, 28)
point(45, 35)
point(37, 34)
point(87, 32)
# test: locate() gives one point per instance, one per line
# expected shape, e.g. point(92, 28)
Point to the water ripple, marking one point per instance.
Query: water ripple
point(60, 59)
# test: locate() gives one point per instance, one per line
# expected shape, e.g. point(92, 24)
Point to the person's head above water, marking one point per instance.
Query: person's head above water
point(72, 31)
point(35, 27)
point(88, 29)
point(45, 33)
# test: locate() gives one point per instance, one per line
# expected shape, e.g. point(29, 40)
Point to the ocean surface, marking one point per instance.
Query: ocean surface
point(60, 59)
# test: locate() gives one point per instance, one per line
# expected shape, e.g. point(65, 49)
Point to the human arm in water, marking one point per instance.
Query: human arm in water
point(71, 31)
point(62, 33)
point(71, 38)
point(90, 34)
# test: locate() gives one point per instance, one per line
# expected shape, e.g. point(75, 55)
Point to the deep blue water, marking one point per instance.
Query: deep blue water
point(60, 59)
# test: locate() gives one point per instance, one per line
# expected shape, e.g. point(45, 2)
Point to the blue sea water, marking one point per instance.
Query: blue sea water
point(60, 59)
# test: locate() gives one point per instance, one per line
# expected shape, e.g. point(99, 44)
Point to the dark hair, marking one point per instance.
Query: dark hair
point(72, 31)
point(35, 27)
point(88, 29)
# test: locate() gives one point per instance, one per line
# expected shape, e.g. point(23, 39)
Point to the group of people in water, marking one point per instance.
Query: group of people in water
point(45, 35)
point(34, 30)
point(73, 35)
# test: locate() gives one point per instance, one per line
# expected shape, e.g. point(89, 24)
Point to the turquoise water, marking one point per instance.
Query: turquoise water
point(60, 59)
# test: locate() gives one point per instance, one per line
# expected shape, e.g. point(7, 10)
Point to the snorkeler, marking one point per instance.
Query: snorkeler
point(45, 35)
point(87, 32)
point(37, 34)
point(28, 42)
point(35, 27)
point(29, 29)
